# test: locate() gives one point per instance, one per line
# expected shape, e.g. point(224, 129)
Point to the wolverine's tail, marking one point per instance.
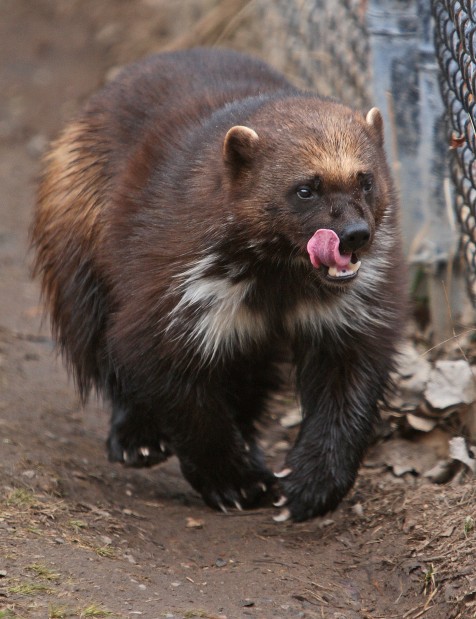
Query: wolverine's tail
point(65, 235)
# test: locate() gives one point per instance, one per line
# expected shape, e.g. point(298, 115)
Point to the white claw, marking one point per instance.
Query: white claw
point(263, 486)
point(281, 501)
point(162, 446)
point(125, 457)
point(144, 451)
point(283, 516)
point(243, 493)
point(283, 473)
point(223, 508)
point(238, 506)
point(247, 447)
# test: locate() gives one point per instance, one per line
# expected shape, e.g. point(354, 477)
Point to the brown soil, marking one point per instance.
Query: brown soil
point(80, 537)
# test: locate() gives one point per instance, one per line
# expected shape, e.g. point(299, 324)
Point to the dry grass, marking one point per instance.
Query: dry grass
point(217, 24)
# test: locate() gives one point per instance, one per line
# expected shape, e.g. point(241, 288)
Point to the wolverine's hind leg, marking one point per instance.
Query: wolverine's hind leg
point(134, 438)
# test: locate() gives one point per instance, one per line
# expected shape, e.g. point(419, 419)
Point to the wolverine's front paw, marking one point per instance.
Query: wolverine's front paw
point(305, 494)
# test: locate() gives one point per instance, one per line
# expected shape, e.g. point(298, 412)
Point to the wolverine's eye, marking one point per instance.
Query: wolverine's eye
point(304, 192)
point(367, 182)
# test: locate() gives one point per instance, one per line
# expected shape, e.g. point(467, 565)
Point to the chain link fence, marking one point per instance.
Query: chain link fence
point(319, 44)
point(455, 38)
point(381, 52)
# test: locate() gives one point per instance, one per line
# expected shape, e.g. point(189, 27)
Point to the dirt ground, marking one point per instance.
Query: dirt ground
point(80, 537)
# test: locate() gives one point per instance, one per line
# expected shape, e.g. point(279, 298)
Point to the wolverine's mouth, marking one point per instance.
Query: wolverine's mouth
point(336, 265)
point(345, 273)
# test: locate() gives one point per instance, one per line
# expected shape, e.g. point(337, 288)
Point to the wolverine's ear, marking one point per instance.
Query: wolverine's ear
point(240, 145)
point(374, 120)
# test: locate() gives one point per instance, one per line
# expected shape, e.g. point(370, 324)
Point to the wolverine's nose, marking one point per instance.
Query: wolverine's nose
point(354, 236)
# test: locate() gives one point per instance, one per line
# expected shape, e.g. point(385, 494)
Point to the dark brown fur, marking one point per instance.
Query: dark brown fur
point(171, 245)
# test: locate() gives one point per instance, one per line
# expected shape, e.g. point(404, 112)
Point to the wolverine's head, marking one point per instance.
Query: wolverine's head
point(313, 171)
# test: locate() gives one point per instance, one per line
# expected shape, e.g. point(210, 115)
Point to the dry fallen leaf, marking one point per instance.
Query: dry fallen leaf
point(450, 383)
point(441, 473)
point(195, 523)
point(423, 424)
point(459, 451)
point(402, 456)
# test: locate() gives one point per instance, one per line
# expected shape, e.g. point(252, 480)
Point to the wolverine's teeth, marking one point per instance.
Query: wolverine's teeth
point(350, 269)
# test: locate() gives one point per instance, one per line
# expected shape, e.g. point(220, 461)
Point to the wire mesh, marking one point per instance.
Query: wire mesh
point(455, 40)
point(320, 44)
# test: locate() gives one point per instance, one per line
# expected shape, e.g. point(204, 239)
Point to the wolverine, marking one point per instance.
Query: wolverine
point(200, 214)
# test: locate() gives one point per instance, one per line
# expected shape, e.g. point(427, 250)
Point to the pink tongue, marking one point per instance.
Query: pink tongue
point(323, 248)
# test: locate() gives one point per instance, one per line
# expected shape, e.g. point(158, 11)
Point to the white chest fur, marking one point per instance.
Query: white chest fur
point(219, 319)
point(213, 313)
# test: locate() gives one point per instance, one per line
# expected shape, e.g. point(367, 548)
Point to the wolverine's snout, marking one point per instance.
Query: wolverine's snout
point(354, 236)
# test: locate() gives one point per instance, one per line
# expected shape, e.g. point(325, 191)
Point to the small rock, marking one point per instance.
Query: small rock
point(220, 563)
point(247, 603)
